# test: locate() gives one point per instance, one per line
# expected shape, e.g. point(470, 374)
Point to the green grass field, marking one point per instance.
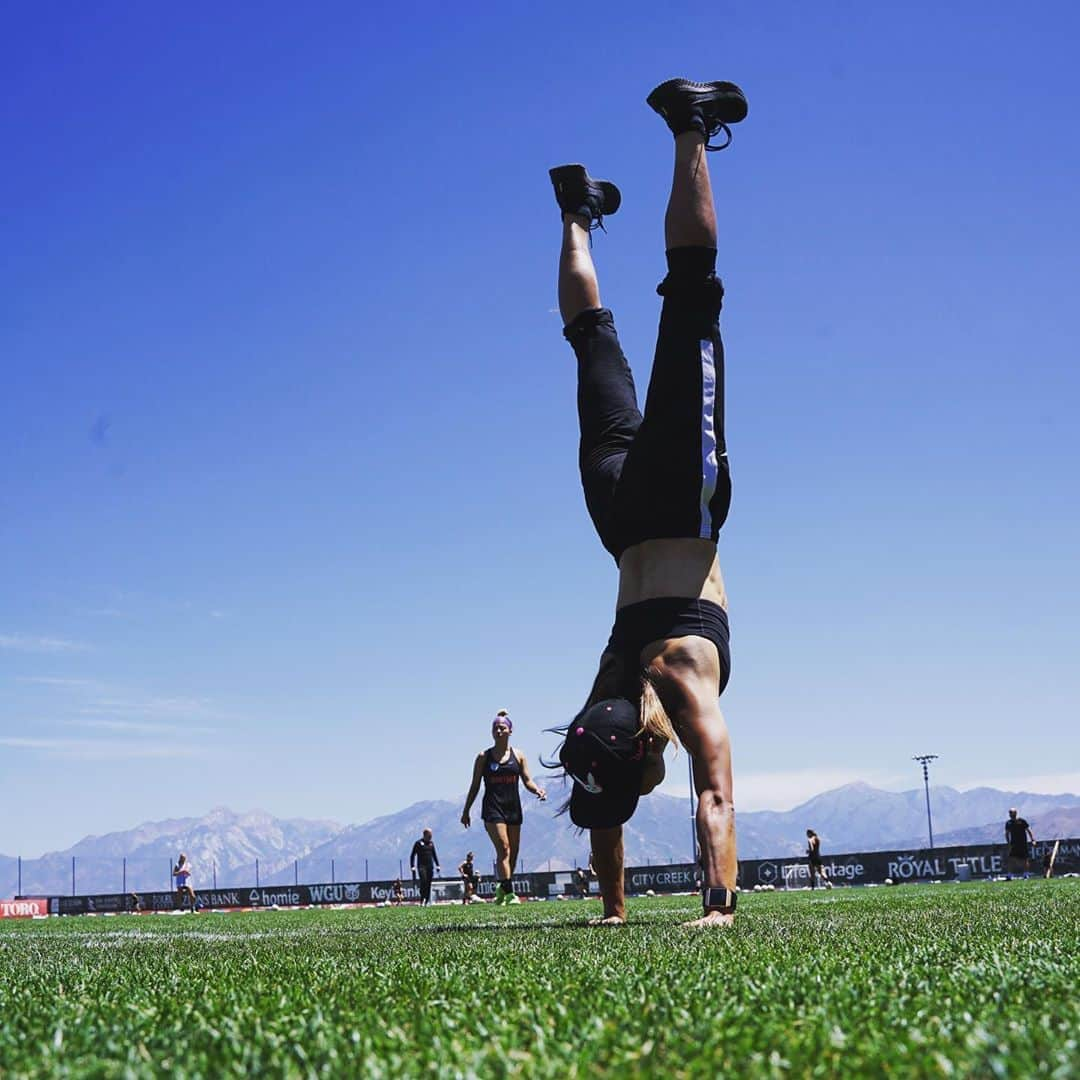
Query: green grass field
point(915, 981)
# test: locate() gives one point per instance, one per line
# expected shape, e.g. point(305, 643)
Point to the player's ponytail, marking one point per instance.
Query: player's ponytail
point(654, 718)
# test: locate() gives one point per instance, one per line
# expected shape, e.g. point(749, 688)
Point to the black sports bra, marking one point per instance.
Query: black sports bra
point(670, 617)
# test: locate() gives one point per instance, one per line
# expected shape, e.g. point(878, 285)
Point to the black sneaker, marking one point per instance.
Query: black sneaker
point(577, 192)
point(705, 107)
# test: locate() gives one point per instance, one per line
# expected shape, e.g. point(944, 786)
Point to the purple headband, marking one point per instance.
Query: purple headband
point(502, 718)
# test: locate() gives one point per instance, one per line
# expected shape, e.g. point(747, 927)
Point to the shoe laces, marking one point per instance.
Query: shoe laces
point(715, 130)
point(596, 223)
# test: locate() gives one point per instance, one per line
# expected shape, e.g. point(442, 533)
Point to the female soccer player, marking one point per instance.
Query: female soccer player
point(500, 768)
point(813, 858)
point(469, 879)
point(182, 875)
point(657, 488)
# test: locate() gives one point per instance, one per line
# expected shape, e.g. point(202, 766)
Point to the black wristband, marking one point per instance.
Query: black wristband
point(718, 899)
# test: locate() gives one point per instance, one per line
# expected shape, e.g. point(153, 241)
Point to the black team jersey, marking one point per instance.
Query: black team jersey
point(423, 854)
point(502, 801)
point(1016, 830)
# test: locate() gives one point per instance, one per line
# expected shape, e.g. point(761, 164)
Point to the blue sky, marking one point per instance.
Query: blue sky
point(290, 504)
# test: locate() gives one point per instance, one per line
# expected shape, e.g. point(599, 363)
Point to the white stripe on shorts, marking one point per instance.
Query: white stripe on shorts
point(709, 464)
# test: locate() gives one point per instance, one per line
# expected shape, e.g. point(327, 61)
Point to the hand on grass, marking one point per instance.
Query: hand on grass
point(710, 919)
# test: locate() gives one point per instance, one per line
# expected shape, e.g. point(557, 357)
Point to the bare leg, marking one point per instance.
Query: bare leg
point(689, 676)
point(691, 217)
point(497, 831)
point(513, 836)
point(578, 287)
point(607, 853)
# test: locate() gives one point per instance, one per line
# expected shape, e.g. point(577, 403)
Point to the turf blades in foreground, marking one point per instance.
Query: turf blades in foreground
point(912, 981)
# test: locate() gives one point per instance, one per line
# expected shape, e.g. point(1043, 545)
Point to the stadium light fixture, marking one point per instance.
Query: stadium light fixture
point(924, 760)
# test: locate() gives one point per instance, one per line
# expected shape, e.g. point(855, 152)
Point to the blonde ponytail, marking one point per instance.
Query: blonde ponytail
point(654, 718)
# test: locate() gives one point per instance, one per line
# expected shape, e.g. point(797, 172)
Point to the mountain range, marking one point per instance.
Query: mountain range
point(228, 848)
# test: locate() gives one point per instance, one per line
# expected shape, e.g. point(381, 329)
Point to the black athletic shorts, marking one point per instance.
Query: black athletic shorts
point(664, 473)
point(502, 815)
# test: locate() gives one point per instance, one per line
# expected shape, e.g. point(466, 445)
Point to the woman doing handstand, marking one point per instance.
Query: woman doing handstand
point(657, 488)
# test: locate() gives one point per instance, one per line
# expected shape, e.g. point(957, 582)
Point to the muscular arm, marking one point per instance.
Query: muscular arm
point(686, 677)
point(607, 860)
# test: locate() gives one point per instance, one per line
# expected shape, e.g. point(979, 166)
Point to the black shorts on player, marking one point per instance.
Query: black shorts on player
point(664, 472)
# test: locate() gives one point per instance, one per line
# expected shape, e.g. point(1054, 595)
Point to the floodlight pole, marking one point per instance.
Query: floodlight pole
point(924, 760)
point(693, 816)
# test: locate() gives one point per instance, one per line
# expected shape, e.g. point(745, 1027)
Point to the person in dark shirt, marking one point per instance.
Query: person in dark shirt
point(581, 880)
point(424, 862)
point(1018, 836)
point(501, 769)
point(657, 487)
point(469, 879)
point(813, 858)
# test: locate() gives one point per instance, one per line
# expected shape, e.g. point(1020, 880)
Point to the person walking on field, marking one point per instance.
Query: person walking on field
point(813, 857)
point(500, 769)
point(469, 879)
point(1019, 837)
point(182, 875)
point(657, 487)
point(582, 876)
point(424, 863)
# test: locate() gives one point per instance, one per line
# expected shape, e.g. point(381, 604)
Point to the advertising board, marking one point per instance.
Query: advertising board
point(24, 907)
point(867, 868)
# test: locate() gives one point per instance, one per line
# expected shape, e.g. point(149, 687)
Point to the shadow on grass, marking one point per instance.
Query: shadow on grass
point(545, 924)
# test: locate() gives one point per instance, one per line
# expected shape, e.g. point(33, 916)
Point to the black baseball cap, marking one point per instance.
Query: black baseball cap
point(604, 755)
